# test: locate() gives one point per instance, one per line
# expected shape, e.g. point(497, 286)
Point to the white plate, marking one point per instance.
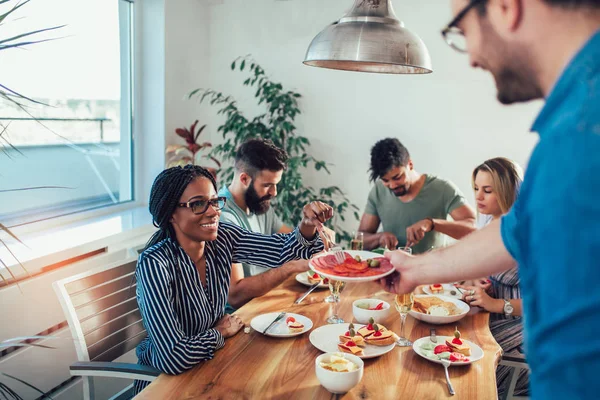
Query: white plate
point(476, 351)
point(326, 339)
point(447, 289)
point(439, 320)
point(280, 329)
point(364, 255)
point(303, 279)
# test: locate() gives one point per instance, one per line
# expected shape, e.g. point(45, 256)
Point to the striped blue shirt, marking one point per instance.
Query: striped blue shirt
point(179, 312)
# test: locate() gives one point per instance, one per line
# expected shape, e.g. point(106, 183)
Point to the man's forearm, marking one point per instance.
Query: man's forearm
point(370, 241)
point(480, 254)
point(454, 229)
point(255, 286)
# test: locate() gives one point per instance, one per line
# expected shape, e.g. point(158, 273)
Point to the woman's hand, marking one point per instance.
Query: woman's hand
point(477, 296)
point(229, 325)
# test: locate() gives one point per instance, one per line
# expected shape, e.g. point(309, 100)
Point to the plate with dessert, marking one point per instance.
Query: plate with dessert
point(290, 325)
point(364, 341)
point(309, 278)
point(455, 349)
point(358, 266)
point(446, 289)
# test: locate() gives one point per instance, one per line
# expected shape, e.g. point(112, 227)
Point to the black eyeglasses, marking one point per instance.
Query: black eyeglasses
point(200, 206)
point(453, 35)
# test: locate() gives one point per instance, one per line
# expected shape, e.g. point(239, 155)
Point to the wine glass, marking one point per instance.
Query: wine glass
point(357, 241)
point(336, 288)
point(404, 304)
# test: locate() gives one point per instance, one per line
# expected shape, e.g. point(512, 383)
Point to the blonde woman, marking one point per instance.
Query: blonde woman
point(496, 184)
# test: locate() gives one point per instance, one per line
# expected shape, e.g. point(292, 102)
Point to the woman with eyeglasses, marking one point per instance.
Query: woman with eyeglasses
point(184, 272)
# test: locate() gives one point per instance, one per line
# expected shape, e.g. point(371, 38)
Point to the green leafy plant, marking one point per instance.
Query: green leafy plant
point(276, 124)
point(193, 151)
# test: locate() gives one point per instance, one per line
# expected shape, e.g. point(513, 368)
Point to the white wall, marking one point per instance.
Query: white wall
point(449, 120)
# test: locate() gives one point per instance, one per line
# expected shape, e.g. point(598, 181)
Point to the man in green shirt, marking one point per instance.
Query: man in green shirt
point(412, 207)
point(259, 165)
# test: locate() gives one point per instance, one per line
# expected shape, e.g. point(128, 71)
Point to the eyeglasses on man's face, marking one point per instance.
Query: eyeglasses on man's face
point(452, 34)
point(200, 206)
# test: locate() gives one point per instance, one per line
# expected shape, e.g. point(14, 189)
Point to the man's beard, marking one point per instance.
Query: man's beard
point(511, 68)
point(257, 205)
point(400, 191)
point(513, 87)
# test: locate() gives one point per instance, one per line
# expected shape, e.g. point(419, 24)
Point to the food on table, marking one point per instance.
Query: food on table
point(366, 306)
point(457, 345)
point(313, 277)
point(351, 335)
point(380, 337)
point(434, 306)
point(442, 351)
point(369, 329)
point(352, 267)
point(338, 363)
point(350, 347)
point(436, 288)
point(293, 325)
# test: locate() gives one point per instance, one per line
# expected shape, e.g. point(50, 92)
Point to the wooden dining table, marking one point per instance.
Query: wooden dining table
point(254, 366)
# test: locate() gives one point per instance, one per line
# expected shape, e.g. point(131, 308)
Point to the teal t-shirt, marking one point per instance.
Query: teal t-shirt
point(437, 199)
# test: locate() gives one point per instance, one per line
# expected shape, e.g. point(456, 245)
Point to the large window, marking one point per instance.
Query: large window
point(80, 140)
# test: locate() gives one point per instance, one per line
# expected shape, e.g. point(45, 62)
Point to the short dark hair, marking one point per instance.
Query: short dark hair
point(255, 155)
point(385, 155)
point(566, 4)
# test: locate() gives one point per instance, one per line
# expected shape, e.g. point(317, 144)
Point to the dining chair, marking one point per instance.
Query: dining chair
point(517, 363)
point(101, 309)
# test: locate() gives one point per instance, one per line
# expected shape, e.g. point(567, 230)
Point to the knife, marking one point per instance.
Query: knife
point(279, 317)
point(309, 291)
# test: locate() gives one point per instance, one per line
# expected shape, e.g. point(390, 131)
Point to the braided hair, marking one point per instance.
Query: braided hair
point(166, 190)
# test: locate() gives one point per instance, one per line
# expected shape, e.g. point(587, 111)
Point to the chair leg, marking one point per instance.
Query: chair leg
point(514, 377)
point(88, 388)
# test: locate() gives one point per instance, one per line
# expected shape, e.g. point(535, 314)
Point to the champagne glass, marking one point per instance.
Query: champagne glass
point(336, 288)
point(357, 241)
point(404, 304)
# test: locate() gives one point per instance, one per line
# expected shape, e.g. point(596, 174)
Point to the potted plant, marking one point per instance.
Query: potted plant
point(277, 124)
point(192, 152)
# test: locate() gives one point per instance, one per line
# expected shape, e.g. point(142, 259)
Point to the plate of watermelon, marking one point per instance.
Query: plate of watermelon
point(358, 266)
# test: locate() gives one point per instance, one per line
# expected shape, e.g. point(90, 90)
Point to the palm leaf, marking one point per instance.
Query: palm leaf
point(26, 384)
point(22, 35)
point(32, 188)
point(12, 10)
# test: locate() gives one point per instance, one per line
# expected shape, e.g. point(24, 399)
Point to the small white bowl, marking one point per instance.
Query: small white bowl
point(339, 382)
point(439, 320)
point(362, 316)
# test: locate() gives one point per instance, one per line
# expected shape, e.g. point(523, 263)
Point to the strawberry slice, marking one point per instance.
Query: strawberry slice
point(377, 334)
point(377, 307)
point(442, 348)
point(458, 357)
point(290, 319)
point(457, 341)
point(347, 334)
point(350, 343)
point(326, 281)
point(370, 327)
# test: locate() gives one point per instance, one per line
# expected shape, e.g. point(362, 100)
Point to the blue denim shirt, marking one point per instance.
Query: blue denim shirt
point(553, 231)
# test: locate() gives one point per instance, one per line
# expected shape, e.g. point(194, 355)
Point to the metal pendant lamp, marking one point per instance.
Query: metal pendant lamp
point(370, 38)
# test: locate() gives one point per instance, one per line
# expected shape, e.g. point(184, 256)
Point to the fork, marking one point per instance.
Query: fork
point(446, 364)
point(330, 245)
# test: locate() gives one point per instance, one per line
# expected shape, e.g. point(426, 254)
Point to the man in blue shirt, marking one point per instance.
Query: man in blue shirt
point(534, 49)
